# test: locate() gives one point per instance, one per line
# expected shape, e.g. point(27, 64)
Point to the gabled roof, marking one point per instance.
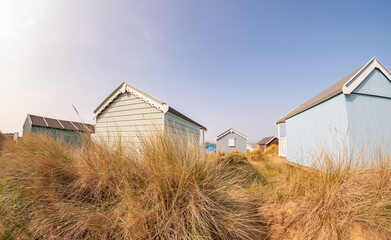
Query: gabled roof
point(158, 104)
point(231, 131)
point(46, 122)
point(346, 86)
point(266, 140)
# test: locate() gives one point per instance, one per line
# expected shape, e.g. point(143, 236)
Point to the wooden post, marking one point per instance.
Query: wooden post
point(203, 137)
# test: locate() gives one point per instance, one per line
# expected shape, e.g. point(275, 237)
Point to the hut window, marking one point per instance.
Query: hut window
point(231, 142)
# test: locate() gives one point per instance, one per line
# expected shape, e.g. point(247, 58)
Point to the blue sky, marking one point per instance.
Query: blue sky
point(239, 64)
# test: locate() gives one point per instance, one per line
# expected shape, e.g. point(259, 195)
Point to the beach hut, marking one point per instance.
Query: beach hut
point(210, 148)
point(69, 131)
point(267, 142)
point(14, 136)
point(129, 113)
point(353, 113)
point(231, 141)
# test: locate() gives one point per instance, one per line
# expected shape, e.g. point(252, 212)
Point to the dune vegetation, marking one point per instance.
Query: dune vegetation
point(2, 140)
point(342, 197)
point(51, 191)
point(173, 190)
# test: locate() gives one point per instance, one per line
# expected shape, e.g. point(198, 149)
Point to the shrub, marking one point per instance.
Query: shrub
point(169, 191)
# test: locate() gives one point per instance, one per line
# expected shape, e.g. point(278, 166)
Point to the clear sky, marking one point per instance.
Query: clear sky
point(240, 64)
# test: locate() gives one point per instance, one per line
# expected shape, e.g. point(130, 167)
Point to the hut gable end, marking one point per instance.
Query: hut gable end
point(346, 86)
point(376, 84)
point(127, 117)
point(231, 141)
point(129, 114)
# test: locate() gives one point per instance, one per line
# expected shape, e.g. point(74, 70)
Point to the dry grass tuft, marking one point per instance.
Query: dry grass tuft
point(3, 138)
point(345, 196)
point(236, 165)
point(272, 150)
point(172, 190)
point(256, 155)
point(169, 191)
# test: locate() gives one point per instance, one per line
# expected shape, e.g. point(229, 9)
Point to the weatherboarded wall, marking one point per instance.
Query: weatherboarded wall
point(177, 126)
point(369, 115)
point(273, 142)
point(323, 126)
point(355, 122)
point(222, 144)
point(70, 137)
point(127, 118)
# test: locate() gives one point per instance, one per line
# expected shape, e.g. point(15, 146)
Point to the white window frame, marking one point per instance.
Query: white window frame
point(231, 142)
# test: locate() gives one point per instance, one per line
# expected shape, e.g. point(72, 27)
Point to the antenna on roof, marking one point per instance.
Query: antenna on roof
point(75, 110)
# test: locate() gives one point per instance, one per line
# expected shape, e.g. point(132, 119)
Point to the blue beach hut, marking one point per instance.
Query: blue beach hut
point(355, 111)
point(210, 148)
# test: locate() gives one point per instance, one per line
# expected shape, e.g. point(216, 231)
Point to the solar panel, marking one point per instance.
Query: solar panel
point(61, 124)
point(53, 123)
point(82, 127)
point(91, 128)
point(38, 121)
point(68, 125)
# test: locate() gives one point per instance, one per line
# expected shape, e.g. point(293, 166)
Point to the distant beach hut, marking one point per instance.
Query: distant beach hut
point(231, 141)
point(129, 113)
point(355, 110)
point(267, 142)
point(210, 148)
point(69, 131)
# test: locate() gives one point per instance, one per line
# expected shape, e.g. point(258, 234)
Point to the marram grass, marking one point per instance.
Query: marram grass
point(168, 191)
point(348, 196)
point(172, 190)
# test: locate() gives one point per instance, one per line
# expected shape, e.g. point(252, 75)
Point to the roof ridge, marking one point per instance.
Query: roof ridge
point(229, 131)
point(335, 89)
point(126, 87)
point(143, 96)
point(270, 138)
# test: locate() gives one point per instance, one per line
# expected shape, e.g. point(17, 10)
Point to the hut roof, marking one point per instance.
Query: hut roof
point(266, 140)
point(346, 86)
point(46, 122)
point(231, 130)
point(158, 104)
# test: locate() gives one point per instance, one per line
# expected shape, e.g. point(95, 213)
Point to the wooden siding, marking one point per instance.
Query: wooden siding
point(359, 120)
point(369, 114)
point(222, 144)
point(264, 146)
point(177, 125)
point(26, 126)
point(70, 137)
point(127, 118)
point(274, 142)
point(375, 84)
point(322, 126)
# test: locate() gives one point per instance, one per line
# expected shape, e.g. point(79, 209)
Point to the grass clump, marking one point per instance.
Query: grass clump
point(272, 150)
point(256, 155)
point(236, 165)
point(168, 191)
point(3, 138)
point(346, 197)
